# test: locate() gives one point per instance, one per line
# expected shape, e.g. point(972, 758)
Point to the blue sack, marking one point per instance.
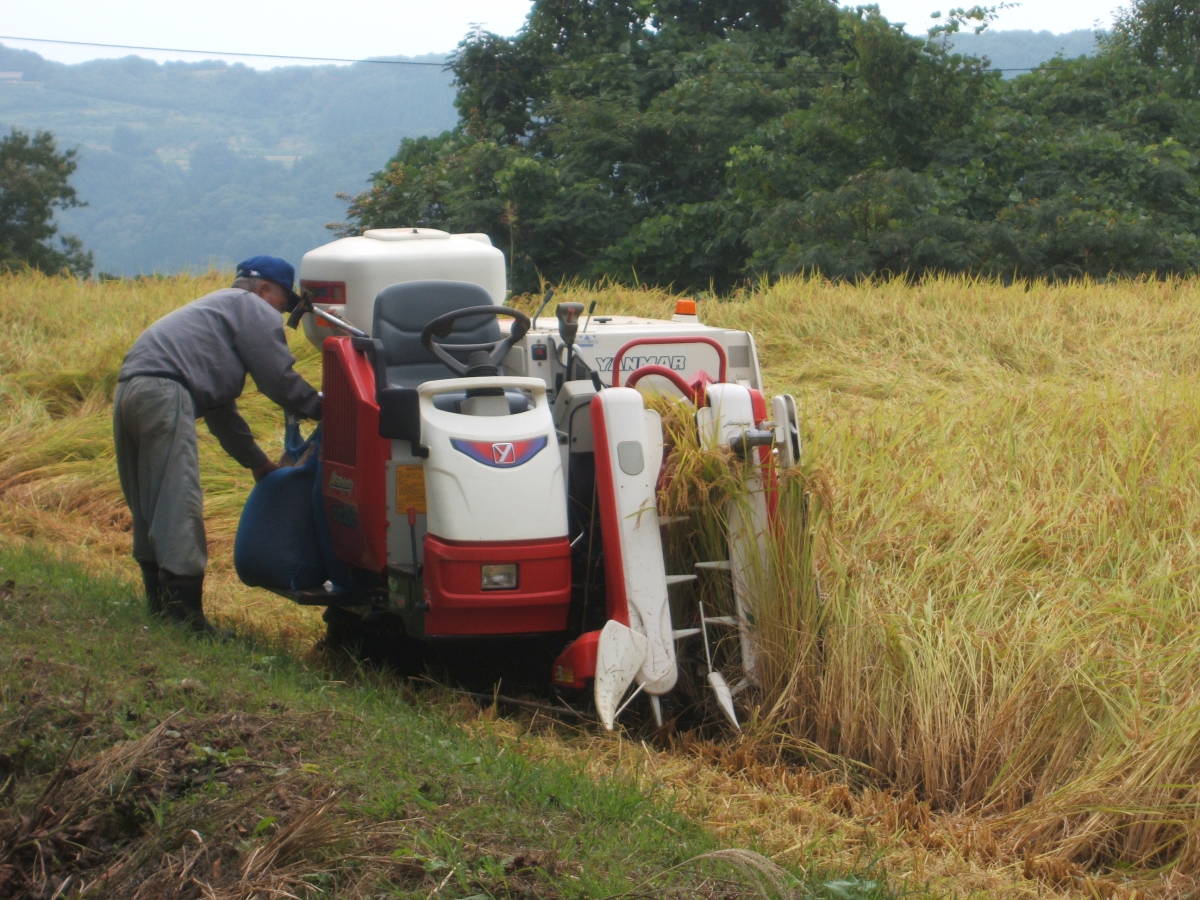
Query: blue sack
point(277, 544)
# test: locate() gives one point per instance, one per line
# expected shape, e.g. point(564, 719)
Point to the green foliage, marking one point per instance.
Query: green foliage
point(599, 124)
point(34, 182)
point(893, 222)
point(705, 144)
point(1163, 33)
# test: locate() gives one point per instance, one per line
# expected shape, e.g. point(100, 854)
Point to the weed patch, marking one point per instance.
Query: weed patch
point(193, 807)
point(137, 761)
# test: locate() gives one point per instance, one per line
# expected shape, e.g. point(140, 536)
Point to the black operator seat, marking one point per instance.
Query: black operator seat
point(403, 310)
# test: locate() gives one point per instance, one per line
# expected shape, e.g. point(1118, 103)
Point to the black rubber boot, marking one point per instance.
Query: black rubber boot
point(154, 599)
point(182, 601)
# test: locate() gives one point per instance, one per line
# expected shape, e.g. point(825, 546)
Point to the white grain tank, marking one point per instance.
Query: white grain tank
point(344, 276)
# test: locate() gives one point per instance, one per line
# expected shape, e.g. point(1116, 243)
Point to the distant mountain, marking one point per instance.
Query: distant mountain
point(190, 165)
point(187, 165)
point(1014, 52)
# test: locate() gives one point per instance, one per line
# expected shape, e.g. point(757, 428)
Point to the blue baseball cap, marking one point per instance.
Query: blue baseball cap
point(271, 268)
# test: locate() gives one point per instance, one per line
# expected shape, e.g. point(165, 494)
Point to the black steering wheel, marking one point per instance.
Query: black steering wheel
point(492, 351)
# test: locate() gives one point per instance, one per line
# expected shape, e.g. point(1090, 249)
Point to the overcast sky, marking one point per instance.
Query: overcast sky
point(355, 29)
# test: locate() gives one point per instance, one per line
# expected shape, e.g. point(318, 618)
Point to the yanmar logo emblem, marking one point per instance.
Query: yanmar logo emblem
point(500, 454)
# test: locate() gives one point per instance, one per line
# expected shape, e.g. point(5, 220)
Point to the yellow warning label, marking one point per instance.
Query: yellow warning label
point(410, 489)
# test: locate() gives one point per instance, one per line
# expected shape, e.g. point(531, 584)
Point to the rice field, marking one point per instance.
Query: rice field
point(1002, 496)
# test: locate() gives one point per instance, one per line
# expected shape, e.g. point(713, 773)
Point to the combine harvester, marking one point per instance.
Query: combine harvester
point(473, 483)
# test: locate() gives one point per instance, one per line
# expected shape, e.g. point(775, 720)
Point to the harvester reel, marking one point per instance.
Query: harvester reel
point(729, 420)
point(495, 350)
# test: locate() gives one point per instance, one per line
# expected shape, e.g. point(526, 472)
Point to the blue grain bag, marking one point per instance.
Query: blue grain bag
point(277, 544)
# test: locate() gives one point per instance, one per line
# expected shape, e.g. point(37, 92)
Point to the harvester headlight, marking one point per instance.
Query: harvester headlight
point(499, 577)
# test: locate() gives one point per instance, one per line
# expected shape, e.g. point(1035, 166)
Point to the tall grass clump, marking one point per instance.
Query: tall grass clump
point(1002, 495)
point(707, 492)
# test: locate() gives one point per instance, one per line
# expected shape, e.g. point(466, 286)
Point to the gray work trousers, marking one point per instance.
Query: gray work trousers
point(154, 430)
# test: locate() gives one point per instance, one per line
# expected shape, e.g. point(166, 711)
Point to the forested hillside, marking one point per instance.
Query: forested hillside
point(1015, 52)
point(183, 165)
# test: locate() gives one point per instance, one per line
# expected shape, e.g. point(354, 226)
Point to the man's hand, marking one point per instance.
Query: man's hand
point(261, 472)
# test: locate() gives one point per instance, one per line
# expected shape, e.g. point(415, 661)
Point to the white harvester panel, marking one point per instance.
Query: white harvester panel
point(345, 276)
point(662, 342)
point(486, 469)
point(631, 446)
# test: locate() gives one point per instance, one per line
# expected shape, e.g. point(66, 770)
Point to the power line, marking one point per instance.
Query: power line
point(328, 59)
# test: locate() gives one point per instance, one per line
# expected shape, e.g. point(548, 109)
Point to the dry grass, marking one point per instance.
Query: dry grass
point(1001, 495)
point(183, 812)
point(1002, 506)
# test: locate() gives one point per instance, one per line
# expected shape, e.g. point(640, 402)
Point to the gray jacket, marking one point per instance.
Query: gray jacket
point(209, 346)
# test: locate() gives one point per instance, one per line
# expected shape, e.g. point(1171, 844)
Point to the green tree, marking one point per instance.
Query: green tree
point(1083, 167)
point(599, 122)
point(1162, 33)
point(34, 182)
point(703, 143)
